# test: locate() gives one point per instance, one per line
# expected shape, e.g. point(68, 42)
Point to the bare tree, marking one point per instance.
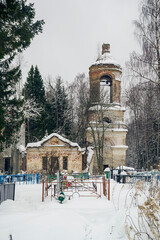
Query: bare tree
point(100, 120)
point(146, 65)
point(144, 99)
point(143, 135)
point(78, 93)
point(96, 128)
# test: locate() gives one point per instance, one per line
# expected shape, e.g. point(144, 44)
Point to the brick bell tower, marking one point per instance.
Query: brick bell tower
point(106, 115)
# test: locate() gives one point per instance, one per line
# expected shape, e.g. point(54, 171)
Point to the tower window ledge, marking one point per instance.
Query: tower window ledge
point(117, 130)
point(111, 106)
point(120, 146)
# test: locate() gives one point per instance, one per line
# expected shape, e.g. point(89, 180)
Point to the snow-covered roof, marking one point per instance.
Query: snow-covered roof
point(107, 58)
point(63, 139)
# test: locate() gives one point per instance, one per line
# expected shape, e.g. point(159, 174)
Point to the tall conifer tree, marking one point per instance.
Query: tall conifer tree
point(63, 111)
point(17, 29)
point(59, 119)
point(34, 89)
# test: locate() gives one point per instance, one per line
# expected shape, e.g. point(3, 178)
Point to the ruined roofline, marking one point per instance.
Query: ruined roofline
point(106, 58)
point(63, 139)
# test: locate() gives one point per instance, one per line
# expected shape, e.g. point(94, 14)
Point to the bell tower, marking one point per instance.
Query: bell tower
point(106, 71)
point(106, 115)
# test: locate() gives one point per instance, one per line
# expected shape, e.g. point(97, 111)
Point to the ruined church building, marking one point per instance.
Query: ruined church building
point(106, 115)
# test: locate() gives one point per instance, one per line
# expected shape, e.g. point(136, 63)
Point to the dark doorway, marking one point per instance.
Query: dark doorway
point(65, 163)
point(44, 163)
point(7, 163)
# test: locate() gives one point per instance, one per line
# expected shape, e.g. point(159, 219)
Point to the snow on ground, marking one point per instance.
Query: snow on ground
point(28, 218)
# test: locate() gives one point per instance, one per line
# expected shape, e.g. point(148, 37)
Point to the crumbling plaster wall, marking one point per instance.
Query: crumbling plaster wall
point(34, 157)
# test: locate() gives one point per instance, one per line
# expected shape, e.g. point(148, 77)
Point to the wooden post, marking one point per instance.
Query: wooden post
point(46, 188)
point(104, 186)
point(108, 189)
point(42, 190)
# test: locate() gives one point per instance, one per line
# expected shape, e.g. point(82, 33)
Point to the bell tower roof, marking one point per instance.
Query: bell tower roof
point(106, 58)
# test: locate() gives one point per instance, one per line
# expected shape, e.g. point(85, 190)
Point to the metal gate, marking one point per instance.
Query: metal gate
point(76, 187)
point(7, 191)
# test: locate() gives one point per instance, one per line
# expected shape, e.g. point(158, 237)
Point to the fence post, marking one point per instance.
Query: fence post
point(46, 188)
point(104, 186)
point(13, 191)
point(108, 189)
point(37, 177)
point(43, 190)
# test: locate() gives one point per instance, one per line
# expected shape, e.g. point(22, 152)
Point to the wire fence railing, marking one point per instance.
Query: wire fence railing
point(20, 178)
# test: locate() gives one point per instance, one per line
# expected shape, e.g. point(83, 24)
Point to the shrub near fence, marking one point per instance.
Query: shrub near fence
point(20, 178)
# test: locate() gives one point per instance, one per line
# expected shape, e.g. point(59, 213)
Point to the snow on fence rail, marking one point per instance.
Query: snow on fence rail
point(20, 178)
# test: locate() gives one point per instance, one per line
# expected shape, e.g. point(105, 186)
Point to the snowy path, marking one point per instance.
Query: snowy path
point(27, 218)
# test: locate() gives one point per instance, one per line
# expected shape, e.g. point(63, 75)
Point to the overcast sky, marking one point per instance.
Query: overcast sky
point(73, 31)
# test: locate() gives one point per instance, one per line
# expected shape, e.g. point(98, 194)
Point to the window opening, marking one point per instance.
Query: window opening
point(54, 164)
point(106, 119)
point(65, 163)
point(44, 163)
point(105, 89)
point(7, 163)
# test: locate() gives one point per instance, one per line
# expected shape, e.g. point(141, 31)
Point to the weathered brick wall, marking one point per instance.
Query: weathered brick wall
point(96, 72)
point(114, 156)
point(34, 157)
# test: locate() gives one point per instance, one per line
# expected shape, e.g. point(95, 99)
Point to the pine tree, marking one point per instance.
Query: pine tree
point(59, 116)
point(17, 29)
point(63, 111)
point(34, 89)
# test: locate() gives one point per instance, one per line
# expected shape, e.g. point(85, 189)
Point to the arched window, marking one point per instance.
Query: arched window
point(107, 120)
point(105, 89)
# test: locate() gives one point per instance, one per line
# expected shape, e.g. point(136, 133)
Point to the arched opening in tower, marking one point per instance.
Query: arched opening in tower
point(105, 89)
